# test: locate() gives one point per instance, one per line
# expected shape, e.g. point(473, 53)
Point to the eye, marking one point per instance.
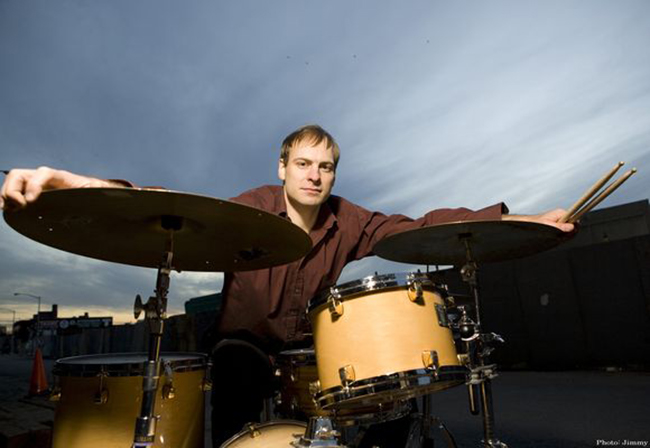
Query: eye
point(301, 163)
point(327, 168)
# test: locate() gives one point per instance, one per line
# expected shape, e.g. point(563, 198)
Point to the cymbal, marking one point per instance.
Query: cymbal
point(489, 241)
point(125, 225)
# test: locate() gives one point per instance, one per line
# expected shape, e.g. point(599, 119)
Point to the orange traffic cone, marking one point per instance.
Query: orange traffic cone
point(38, 381)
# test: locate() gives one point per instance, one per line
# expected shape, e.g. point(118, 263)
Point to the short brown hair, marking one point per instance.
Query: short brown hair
point(315, 134)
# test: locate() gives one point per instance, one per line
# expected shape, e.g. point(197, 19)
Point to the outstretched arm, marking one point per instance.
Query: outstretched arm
point(23, 186)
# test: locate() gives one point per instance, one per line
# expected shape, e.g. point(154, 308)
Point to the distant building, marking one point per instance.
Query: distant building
point(202, 304)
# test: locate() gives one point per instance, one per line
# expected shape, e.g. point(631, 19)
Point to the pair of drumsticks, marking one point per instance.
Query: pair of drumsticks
point(575, 212)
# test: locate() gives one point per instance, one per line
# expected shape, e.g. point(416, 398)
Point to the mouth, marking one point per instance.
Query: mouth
point(311, 190)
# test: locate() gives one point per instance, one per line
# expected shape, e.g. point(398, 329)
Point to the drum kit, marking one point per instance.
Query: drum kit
point(379, 342)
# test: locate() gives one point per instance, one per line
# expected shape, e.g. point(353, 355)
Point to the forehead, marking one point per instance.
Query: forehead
point(307, 148)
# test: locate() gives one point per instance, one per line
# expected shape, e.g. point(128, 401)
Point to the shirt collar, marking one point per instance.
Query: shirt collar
point(326, 217)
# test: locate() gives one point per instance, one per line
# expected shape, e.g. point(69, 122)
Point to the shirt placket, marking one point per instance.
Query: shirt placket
point(296, 307)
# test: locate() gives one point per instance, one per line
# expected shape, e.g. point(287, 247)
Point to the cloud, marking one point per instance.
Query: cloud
point(433, 104)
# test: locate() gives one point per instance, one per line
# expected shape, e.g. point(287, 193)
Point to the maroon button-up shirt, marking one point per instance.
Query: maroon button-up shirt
point(269, 304)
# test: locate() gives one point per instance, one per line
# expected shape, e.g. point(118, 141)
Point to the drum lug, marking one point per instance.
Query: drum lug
point(168, 392)
point(347, 375)
point(430, 360)
point(253, 431)
point(415, 292)
point(206, 386)
point(314, 387)
point(55, 395)
point(335, 306)
point(101, 397)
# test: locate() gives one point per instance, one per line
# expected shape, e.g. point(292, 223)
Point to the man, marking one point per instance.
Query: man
point(263, 311)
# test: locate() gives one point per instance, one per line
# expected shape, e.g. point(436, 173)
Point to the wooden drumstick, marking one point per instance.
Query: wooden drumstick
point(589, 193)
point(601, 197)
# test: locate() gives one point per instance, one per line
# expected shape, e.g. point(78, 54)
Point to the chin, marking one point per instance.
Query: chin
point(312, 200)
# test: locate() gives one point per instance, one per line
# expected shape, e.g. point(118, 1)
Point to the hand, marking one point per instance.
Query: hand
point(22, 187)
point(549, 218)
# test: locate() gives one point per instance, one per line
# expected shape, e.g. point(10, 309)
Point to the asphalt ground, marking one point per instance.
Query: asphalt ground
point(576, 409)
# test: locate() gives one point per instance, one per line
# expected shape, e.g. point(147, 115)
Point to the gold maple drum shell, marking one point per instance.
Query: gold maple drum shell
point(275, 434)
point(298, 372)
point(384, 331)
point(80, 421)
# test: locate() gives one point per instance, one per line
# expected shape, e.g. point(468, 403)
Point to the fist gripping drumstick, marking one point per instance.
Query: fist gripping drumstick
point(573, 214)
point(601, 197)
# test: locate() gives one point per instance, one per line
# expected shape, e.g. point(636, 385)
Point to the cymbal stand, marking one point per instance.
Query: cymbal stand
point(155, 312)
point(426, 423)
point(478, 349)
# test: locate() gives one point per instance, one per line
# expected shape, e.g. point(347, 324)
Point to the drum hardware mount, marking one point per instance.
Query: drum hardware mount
point(479, 382)
point(319, 434)
point(155, 312)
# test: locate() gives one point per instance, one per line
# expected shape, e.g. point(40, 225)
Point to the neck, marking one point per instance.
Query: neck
point(301, 215)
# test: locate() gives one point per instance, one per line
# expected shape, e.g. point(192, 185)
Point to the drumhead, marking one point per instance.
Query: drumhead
point(371, 283)
point(300, 356)
point(276, 433)
point(125, 364)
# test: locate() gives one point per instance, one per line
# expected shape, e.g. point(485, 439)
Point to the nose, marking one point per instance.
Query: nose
point(314, 174)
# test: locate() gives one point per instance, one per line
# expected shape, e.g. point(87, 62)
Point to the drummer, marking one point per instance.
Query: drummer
point(263, 311)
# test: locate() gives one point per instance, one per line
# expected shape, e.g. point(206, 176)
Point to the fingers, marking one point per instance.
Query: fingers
point(554, 218)
point(11, 195)
point(24, 186)
point(551, 218)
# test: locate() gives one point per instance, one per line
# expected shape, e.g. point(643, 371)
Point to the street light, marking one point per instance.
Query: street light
point(38, 314)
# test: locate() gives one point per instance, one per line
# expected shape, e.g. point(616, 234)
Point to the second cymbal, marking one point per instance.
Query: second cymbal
point(489, 241)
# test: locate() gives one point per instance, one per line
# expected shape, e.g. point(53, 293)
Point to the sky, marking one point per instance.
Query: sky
point(434, 104)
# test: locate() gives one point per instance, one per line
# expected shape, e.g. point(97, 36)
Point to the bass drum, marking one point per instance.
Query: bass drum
point(101, 395)
point(275, 434)
point(382, 339)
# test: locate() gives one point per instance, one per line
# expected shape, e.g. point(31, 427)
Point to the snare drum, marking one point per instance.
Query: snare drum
point(101, 395)
point(381, 339)
point(275, 434)
point(298, 378)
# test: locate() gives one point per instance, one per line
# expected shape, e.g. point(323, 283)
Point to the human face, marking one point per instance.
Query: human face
point(308, 174)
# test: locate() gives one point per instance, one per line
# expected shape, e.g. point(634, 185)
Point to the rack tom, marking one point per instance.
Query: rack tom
point(298, 376)
point(381, 339)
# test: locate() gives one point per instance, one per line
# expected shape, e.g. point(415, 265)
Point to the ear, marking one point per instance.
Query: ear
point(282, 170)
